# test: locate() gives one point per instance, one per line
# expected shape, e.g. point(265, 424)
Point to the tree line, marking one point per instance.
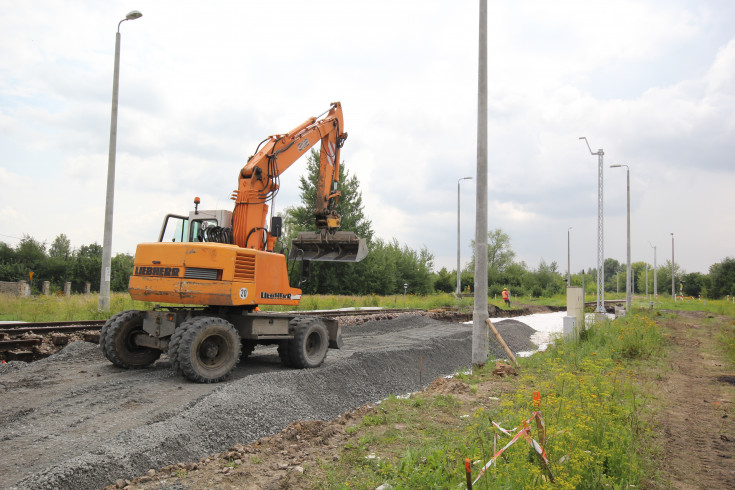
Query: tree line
point(59, 264)
point(386, 269)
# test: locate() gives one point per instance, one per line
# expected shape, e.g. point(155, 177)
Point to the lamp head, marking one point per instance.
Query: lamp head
point(133, 14)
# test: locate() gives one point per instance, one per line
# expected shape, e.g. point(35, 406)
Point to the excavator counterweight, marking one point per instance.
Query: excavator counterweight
point(340, 246)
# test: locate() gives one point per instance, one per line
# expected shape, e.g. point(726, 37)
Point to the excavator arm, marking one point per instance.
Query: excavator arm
point(259, 181)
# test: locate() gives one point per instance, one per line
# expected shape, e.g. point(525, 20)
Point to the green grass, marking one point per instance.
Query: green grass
point(590, 401)
point(85, 307)
point(64, 308)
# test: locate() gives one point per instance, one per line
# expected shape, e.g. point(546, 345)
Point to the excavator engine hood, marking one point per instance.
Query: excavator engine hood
point(340, 246)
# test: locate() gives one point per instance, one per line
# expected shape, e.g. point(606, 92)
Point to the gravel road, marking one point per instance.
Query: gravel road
point(73, 420)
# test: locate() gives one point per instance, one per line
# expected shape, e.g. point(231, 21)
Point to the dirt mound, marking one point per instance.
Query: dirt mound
point(448, 386)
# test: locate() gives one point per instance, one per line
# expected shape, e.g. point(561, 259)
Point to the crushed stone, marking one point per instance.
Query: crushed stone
point(380, 358)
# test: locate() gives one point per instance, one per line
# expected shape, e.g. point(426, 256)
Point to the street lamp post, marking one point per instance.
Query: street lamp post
point(104, 303)
point(459, 284)
point(655, 274)
point(628, 284)
point(673, 289)
point(569, 260)
point(600, 309)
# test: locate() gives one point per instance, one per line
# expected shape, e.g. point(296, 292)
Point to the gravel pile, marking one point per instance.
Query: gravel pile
point(379, 358)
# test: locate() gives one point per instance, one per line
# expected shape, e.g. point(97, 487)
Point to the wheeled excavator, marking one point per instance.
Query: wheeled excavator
point(209, 271)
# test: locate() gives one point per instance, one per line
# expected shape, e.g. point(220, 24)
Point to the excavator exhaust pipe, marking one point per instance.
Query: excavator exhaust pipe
point(340, 246)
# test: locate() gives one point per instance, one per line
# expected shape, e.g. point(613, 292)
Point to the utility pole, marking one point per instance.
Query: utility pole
point(479, 314)
point(105, 272)
point(655, 274)
point(673, 289)
point(628, 275)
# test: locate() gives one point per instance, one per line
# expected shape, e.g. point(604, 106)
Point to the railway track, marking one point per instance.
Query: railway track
point(83, 325)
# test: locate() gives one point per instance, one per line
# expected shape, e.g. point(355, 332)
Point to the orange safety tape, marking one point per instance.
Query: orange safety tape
point(523, 430)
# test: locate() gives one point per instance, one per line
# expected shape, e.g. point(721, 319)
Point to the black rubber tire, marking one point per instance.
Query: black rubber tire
point(209, 349)
point(309, 346)
point(284, 352)
point(119, 346)
point(173, 348)
point(105, 329)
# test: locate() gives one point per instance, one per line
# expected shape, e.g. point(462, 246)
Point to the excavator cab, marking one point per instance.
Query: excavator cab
point(325, 246)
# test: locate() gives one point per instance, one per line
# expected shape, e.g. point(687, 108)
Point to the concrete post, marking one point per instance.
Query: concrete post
point(67, 289)
point(46, 288)
point(87, 288)
point(480, 330)
point(24, 290)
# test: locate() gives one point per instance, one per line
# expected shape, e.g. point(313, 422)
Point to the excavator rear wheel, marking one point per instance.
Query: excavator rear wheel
point(119, 345)
point(308, 349)
point(209, 349)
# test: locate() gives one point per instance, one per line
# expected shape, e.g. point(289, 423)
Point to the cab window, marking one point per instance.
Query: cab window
point(175, 229)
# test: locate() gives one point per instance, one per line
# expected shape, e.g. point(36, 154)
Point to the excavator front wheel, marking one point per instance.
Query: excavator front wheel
point(118, 344)
point(208, 350)
point(308, 349)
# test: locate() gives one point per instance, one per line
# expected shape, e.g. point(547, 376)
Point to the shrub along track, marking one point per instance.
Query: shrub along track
point(73, 420)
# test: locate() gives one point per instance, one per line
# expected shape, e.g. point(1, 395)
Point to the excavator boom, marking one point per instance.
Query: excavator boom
point(259, 183)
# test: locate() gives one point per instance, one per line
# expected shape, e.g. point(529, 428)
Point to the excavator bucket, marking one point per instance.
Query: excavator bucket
point(340, 246)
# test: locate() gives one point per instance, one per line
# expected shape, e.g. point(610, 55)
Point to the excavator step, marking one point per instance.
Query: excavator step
point(340, 246)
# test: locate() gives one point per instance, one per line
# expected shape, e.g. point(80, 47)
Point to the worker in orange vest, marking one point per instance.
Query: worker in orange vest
point(506, 297)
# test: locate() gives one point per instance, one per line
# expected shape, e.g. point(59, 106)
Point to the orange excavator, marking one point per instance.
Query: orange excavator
point(213, 268)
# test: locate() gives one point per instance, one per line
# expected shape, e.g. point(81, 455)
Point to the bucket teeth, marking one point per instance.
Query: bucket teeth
point(341, 246)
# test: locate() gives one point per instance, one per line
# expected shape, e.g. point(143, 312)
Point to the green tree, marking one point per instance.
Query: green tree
point(612, 268)
point(445, 281)
point(722, 278)
point(30, 252)
point(694, 284)
point(86, 267)
point(329, 277)
point(121, 270)
point(349, 206)
point(664, 278)
point(60, 248)
point(499, 254)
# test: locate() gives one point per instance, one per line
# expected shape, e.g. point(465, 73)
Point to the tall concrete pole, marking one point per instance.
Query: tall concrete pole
point(105, 272)
point(673, 289)
point(655, 274)
point(459, 282)
point(479, 314)
point(628, 277)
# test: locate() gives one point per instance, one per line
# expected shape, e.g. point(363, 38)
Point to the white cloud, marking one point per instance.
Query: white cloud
point(201, 84)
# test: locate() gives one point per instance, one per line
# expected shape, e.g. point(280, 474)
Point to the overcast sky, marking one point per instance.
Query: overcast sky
point(652, 82)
